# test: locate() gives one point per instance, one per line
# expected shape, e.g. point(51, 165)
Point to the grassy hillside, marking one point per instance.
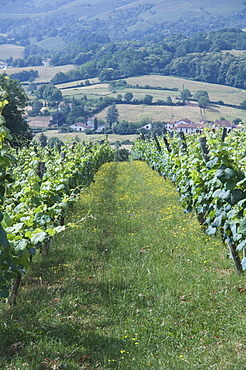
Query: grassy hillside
point(11, 50)
point(191, 111)
point(228, 95)
point(151, 10)
point(45, 72)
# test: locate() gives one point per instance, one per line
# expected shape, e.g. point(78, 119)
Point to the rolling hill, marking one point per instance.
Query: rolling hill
point(151, 10)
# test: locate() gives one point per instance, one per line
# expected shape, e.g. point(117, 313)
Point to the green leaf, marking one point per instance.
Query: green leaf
point(236, 196)
point(4, 292)
point(60, 228)
point(242, 226)
point(51, 231)
point(243, 263)
point(217, 221)
point(20, 245)
point(241, 245)
point(211, 230)
point(42, 219)
point(3, 237)
point(38, 238)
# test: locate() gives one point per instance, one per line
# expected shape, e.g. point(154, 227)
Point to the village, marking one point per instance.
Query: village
point(184, 125)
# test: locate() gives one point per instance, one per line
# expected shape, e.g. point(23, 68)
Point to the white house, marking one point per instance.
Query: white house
point(3, 65)
point(228, 124)
point(188, 128)
point(79, 127)
point(90, 122)
point(169, 125)
point(185, 121)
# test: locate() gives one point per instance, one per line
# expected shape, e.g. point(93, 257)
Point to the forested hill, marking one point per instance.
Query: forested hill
point(120, 19)
point(115, 39)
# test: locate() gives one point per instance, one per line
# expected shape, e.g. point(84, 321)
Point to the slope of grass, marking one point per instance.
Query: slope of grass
point(11, 50)
point(229, 95)
point(45, 72)
point(135, 286)
point(191, 111)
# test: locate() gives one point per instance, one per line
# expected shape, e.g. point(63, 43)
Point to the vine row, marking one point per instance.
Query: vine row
point(209, 173)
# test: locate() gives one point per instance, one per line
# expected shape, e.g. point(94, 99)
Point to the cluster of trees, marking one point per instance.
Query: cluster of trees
point(25, 75)
point(14, 111)
point(198, 57)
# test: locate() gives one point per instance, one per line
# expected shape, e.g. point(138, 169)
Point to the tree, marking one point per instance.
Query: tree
point(112, 115)
point(185, 95)
point(203, 101)
point(95, 124)
point(54, 142)
point(128, 97)
point(14, 111)
point(200, 93)
point(57, 119)
point(52, 94)
point(43, 140)
point(106, 74)
point(148, 99)
point(36, 107)
point(169, 100)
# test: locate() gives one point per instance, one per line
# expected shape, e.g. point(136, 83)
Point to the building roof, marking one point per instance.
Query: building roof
point(224, 123)
point(188, 121)
point(186, 125)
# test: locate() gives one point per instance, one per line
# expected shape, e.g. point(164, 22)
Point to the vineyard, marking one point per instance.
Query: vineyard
point(37, 186)
point(209, 173)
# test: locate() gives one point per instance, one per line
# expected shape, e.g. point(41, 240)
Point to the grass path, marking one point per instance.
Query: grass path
point(135, 285)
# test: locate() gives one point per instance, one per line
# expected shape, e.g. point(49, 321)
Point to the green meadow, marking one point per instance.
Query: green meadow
point(135, 285)
point(11, 50)
point(226, 94)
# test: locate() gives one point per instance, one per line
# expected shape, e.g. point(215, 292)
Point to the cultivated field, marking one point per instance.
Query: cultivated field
point(45, 72)
point(229, 95)
point(191, 111)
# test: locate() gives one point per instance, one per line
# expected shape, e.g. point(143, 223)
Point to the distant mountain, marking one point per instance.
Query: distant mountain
point(73, 31)
point(135, 16)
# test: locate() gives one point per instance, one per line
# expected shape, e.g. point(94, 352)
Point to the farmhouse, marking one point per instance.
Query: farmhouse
point(185, 121)
point(189, 128)
point(3, 65)
point(186, 126)
point(228, 124)
point(79, 127)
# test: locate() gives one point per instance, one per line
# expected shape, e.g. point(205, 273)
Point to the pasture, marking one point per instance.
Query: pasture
point(191, 111)
point(229, 95)
point(45, 72)
point(70, 136)
point(11, 50)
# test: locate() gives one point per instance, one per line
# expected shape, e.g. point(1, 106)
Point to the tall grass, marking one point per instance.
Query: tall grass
point(135, 285)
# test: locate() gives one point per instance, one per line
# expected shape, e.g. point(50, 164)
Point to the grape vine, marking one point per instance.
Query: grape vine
point(35, 197)
point(209, 173)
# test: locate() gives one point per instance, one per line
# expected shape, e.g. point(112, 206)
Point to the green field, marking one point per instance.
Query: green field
point(45, 72)
point(229, 95)
point(11, 50)
point(50, 43)
point(112, 138)
point(191, 111)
